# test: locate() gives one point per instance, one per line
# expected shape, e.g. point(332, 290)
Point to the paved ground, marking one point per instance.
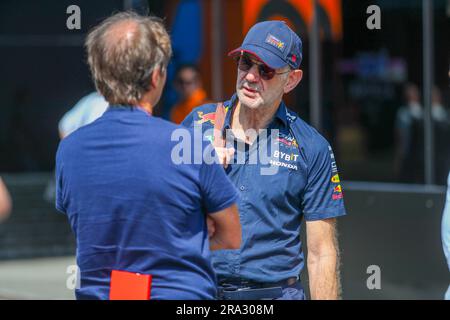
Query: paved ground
point(46, 278)
point(36, 279)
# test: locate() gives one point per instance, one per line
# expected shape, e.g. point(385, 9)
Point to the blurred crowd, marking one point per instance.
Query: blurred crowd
point(409, 134)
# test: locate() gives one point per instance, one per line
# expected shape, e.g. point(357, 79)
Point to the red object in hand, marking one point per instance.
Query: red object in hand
point(129, 286)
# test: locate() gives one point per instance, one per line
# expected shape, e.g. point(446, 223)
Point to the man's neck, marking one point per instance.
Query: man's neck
point(245, 118)
point(146, 105)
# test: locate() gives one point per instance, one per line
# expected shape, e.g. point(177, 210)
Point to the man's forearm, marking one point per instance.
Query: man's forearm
point(5, 201)
point(224, 229)
point(324, 282)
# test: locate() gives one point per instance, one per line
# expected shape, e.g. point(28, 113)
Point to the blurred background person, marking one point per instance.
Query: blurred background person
point(445, 232)
point(188, 84)
point(5, 201)
point(87, 110)
point(438, 111)
point(409, 131)
point(441, 124)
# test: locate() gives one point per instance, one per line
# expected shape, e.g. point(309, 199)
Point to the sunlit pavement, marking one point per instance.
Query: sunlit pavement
point(44, 278)
point(47, 278)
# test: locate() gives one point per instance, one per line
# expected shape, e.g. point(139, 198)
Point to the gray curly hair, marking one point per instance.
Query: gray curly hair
point(122, 62)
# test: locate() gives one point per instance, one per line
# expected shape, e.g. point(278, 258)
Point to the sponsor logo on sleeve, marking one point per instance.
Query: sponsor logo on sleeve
point(333, 162)
point(335, 179)
point(334, 167)
point(337, 189)
point(331, 152)
point(337, 193)
point(337, 196)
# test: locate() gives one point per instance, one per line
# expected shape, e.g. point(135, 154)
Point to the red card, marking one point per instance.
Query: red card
point(129, 286)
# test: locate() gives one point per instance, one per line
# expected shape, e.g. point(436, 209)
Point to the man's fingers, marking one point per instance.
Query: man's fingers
point(224, 155)
point(211, 227)
point(230, 153)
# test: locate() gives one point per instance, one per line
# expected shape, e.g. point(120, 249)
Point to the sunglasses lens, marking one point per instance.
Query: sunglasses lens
point(266, 72)
point(245, 64)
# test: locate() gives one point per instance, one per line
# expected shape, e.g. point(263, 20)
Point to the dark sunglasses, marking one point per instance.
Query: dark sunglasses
point(244, 63)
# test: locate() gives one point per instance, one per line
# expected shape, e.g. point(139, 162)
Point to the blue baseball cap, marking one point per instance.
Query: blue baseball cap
point(274, 43)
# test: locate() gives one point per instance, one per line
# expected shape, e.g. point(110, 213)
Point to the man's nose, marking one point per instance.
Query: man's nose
point(253, 74)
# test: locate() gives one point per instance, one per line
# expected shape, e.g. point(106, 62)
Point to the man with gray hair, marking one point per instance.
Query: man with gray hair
point(305, 184)
point(136, 215)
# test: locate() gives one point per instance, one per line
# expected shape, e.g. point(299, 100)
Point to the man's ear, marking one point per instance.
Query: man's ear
point(294, 79)
point(156, 76)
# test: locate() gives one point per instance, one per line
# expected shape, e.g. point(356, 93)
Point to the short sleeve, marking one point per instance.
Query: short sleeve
point(218, 191)
point(323, 194)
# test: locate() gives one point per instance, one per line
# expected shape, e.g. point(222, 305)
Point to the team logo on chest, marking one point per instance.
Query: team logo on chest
point(284, 159)
point(207, 117)
point(287, 154)
point(287, 140)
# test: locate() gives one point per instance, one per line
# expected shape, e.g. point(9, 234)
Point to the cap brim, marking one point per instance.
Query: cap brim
point(267, 57)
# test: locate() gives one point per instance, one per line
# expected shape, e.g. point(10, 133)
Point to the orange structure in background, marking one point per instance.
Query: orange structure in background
point(304, 8)
point(239, 15)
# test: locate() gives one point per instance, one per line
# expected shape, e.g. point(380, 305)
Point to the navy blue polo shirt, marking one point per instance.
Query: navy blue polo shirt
point(306, 186)
point(133, 209)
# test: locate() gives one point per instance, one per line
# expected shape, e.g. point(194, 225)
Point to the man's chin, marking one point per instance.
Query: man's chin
point(249, 102)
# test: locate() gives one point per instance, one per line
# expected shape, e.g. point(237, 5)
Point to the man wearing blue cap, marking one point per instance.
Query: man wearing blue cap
point(272, 206)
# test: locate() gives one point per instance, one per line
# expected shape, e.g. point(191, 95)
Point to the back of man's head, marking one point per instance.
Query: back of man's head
point(123, 52)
